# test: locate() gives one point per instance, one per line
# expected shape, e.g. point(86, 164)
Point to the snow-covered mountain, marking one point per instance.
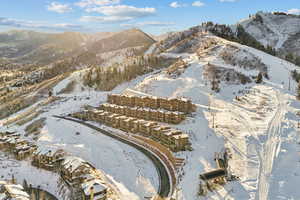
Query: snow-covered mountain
point(279, 30)
point(256, 121)
point(25, 47)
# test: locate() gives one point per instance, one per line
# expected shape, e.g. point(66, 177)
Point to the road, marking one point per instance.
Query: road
point(165, 173)
point(37, 193)
point(269, 149)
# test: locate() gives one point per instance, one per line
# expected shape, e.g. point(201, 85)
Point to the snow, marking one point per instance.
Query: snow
point(22, 170)
point(274, 31)
point(253, 130)
point(260, 130)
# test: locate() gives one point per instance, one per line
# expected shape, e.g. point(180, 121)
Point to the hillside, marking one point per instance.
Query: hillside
point(279, 30)
point(255, 122)
point(121, 40)
point(245, 104)
point(30, 47)
point(40, 48)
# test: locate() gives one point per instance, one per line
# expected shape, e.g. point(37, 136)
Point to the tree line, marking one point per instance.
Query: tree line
point(107, 78)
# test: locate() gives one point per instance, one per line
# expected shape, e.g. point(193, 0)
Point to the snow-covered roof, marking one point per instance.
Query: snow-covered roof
point(48, 150)
point(181, 136)
point(97, 184)
point(14, 192)
point(72, 163)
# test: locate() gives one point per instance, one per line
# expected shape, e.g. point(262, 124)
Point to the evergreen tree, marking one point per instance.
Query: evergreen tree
point(298, 91)
point(297, 60)
point(289, 57)
point(259, 78)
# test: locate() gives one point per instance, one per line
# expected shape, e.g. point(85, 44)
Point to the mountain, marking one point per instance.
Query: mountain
point(277, 29)
point(30, 47)
point(40, 48)
point(245, 99)
point(122, 40)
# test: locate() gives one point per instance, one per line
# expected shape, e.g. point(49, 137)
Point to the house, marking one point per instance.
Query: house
point(48, 158)
point(23, 151)
point(161, 116)
point(8, 133)
point(139, 102)
point(175, 117)
point(123, 124)
point(12, 191)
point(154, 104)
point(174, 104)
point(136, 125)
point(129, 123)
point(73, 168)
point(113, 98)
point(3, 142)
point(117, 122)
point(164, 103)
point(12, 142)
point(214, 176)
point(185, 105)
point(176, 140)
point(147, 101)
point(94, 189)
point(181, 142)
point(149, 126)
point(143, 113)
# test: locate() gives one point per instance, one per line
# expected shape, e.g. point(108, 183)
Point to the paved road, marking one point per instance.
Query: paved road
point(39, 194)
point(165, 183)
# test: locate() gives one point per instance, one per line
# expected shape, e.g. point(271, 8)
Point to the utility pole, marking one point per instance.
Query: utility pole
point(289, 83)
point(213, 115)
point(211, 111)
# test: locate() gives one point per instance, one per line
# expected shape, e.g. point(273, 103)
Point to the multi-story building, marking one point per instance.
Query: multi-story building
point(48, 158)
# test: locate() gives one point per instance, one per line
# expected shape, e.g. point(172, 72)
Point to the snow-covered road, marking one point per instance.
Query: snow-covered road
point(270, 148)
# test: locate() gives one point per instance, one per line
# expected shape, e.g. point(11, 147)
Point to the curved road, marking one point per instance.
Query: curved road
point(165, 183)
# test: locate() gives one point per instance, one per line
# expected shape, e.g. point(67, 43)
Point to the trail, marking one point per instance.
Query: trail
point(269, 148)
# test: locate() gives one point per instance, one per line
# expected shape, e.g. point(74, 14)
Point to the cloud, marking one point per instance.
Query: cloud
point(123, 10)
point(105, 19)
point(117, 14)
point(59, 8)
point(228, 0)
point(175, 4)
point(294, 11)
point(151, 23)
point(92, 3)
point(38, 25)
point(198, 4)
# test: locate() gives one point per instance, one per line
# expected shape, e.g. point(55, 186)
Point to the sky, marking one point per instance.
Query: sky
point(152, 16)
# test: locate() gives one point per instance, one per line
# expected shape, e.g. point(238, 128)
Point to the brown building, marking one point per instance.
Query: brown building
point(138, 121)
point(175, 104)
point(145, 113)
point(48, 158)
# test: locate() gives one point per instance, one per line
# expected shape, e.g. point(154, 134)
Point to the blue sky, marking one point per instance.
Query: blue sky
point(152, 16)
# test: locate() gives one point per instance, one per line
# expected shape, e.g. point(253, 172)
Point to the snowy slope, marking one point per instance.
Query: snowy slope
point(131, 172)
point(254, 129)
point(279, 31)
point(259, 129)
